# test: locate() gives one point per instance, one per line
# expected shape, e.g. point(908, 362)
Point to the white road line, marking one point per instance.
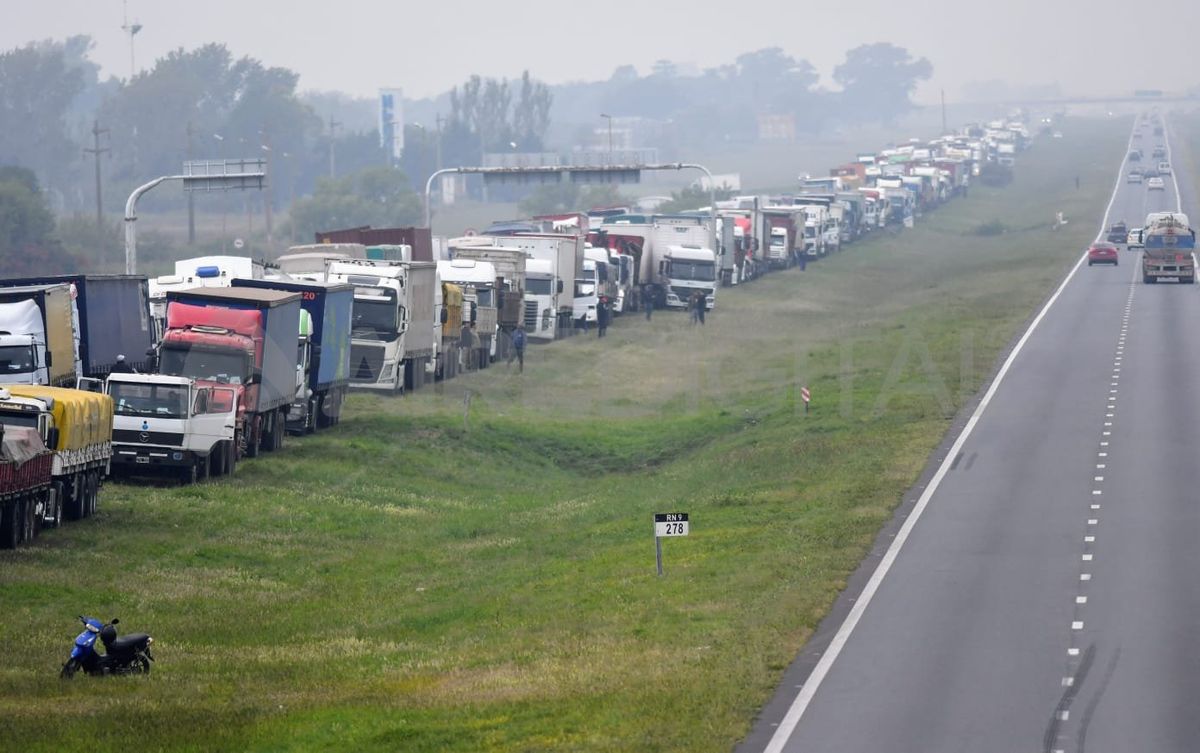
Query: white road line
point(1087, 557)
point(1073, 651)
point(1077, 625)
point(838, 642)
point(1093, 521)
point(1085, 576)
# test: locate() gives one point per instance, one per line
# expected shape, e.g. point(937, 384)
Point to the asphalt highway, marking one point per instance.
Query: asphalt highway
point(1044, 594)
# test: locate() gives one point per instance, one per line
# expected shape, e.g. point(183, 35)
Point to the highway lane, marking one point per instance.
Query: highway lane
point(1039, 602)
point(1143, 607)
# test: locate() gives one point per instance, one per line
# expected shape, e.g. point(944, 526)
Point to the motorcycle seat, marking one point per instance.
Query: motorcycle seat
point(127, 643)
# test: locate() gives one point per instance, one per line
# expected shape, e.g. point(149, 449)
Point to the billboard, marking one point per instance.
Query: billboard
point(391, 121)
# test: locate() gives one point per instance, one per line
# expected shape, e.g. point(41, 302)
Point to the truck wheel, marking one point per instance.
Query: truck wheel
point(93, 493)
point(54, 508)
point(10, 532)
point(28, 525)
point(72, 500)
point(254, 440)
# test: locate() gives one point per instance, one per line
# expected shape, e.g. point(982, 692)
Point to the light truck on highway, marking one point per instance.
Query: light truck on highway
point(1168, 243)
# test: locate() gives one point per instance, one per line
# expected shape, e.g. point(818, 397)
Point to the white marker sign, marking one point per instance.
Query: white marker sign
point(670, 524)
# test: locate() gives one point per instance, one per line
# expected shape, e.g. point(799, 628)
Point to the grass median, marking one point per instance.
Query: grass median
point(472, 568)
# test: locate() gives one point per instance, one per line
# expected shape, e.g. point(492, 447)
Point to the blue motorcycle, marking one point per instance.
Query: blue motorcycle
point(127, 655)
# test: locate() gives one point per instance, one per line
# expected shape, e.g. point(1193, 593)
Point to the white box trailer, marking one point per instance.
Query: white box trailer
point(549, 283)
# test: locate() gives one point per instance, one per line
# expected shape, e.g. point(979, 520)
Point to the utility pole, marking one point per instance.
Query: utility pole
point(333, 124)
point(131, 29)
point(438, 145)
point(610, 140)
point(944, 131)
point(97, 151)
point(191, 199)
point(268, 194)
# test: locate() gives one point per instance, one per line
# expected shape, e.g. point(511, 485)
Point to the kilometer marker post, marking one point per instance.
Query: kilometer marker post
point(668, 524)
point(806, 396)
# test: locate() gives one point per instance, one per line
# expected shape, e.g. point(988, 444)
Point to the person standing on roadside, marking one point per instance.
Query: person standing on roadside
point(601, 316)
point(518, 348)
point(701, 306)
point(648, 300)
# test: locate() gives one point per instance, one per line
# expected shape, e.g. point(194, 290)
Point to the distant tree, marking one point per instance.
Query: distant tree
point(378, 196)
point(484, 115)
point(37, 86)
point(531, 114)
point(558, 198)
point(691, 198)
point(27, 242)
point(877, 81)
point(242, 102)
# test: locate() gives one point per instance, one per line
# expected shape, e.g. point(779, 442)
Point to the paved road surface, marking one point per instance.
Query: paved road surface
point(1048, 597)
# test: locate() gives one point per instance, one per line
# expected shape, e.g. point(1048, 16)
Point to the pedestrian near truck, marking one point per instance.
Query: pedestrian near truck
point(518, 348)
point(648, 300)
point(602, 317)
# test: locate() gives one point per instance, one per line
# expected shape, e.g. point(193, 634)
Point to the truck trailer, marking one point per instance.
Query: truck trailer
point(242, 337)
point(39, 335)
point(324, 350)
point(76, 426)
point(114, 319)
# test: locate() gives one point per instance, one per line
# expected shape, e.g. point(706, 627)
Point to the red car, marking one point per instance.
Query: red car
point(1102, 253)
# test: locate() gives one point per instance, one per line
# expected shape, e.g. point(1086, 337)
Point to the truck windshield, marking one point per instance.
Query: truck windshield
point(16, 359)
point(375, 318)
point(701, 271)
point(15, 418)
point(538, 286)
point(584, 288)
point(160, 400)
point(485, 297)
point(212, 365)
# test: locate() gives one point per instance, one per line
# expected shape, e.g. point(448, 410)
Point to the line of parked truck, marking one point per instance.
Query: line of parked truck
point(185, 374)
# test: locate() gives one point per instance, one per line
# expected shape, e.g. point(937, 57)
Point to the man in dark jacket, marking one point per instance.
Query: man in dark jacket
point(601, 316)
point(122, 366)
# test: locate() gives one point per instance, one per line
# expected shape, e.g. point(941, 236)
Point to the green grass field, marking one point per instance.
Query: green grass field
point(424, 578)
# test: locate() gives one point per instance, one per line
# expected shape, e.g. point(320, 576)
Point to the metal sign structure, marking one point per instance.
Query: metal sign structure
point(198, 175)
point(668, 524)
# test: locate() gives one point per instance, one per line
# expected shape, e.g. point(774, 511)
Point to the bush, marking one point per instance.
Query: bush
point(995, 175)
point(992, 227)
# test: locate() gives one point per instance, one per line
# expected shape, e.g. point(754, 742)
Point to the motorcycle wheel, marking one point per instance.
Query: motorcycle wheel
point(69, 669)
point(140, 665)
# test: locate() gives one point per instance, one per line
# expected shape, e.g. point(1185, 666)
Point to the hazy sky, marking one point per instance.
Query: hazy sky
point(1087, 46)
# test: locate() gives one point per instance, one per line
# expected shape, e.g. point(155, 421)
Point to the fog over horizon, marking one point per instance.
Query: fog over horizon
point(1084, 47)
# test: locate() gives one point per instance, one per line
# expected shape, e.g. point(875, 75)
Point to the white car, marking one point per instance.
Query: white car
point(1134, 239)
point(1164, 168)
point(1133, 177)
point(1156, 184)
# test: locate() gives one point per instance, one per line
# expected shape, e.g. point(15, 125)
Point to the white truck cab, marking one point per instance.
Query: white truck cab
point(170, 424)
point(685, 269)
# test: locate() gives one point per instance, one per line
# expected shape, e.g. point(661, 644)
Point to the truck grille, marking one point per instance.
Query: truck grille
point(130, 436)
point(531, 315)
point(365, 362)
point(686, 293)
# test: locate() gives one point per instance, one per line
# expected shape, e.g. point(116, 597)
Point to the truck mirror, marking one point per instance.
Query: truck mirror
point(445, 316)
point(49, 359)
point(474, 311)
point(52, 438)
point(560, 287)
